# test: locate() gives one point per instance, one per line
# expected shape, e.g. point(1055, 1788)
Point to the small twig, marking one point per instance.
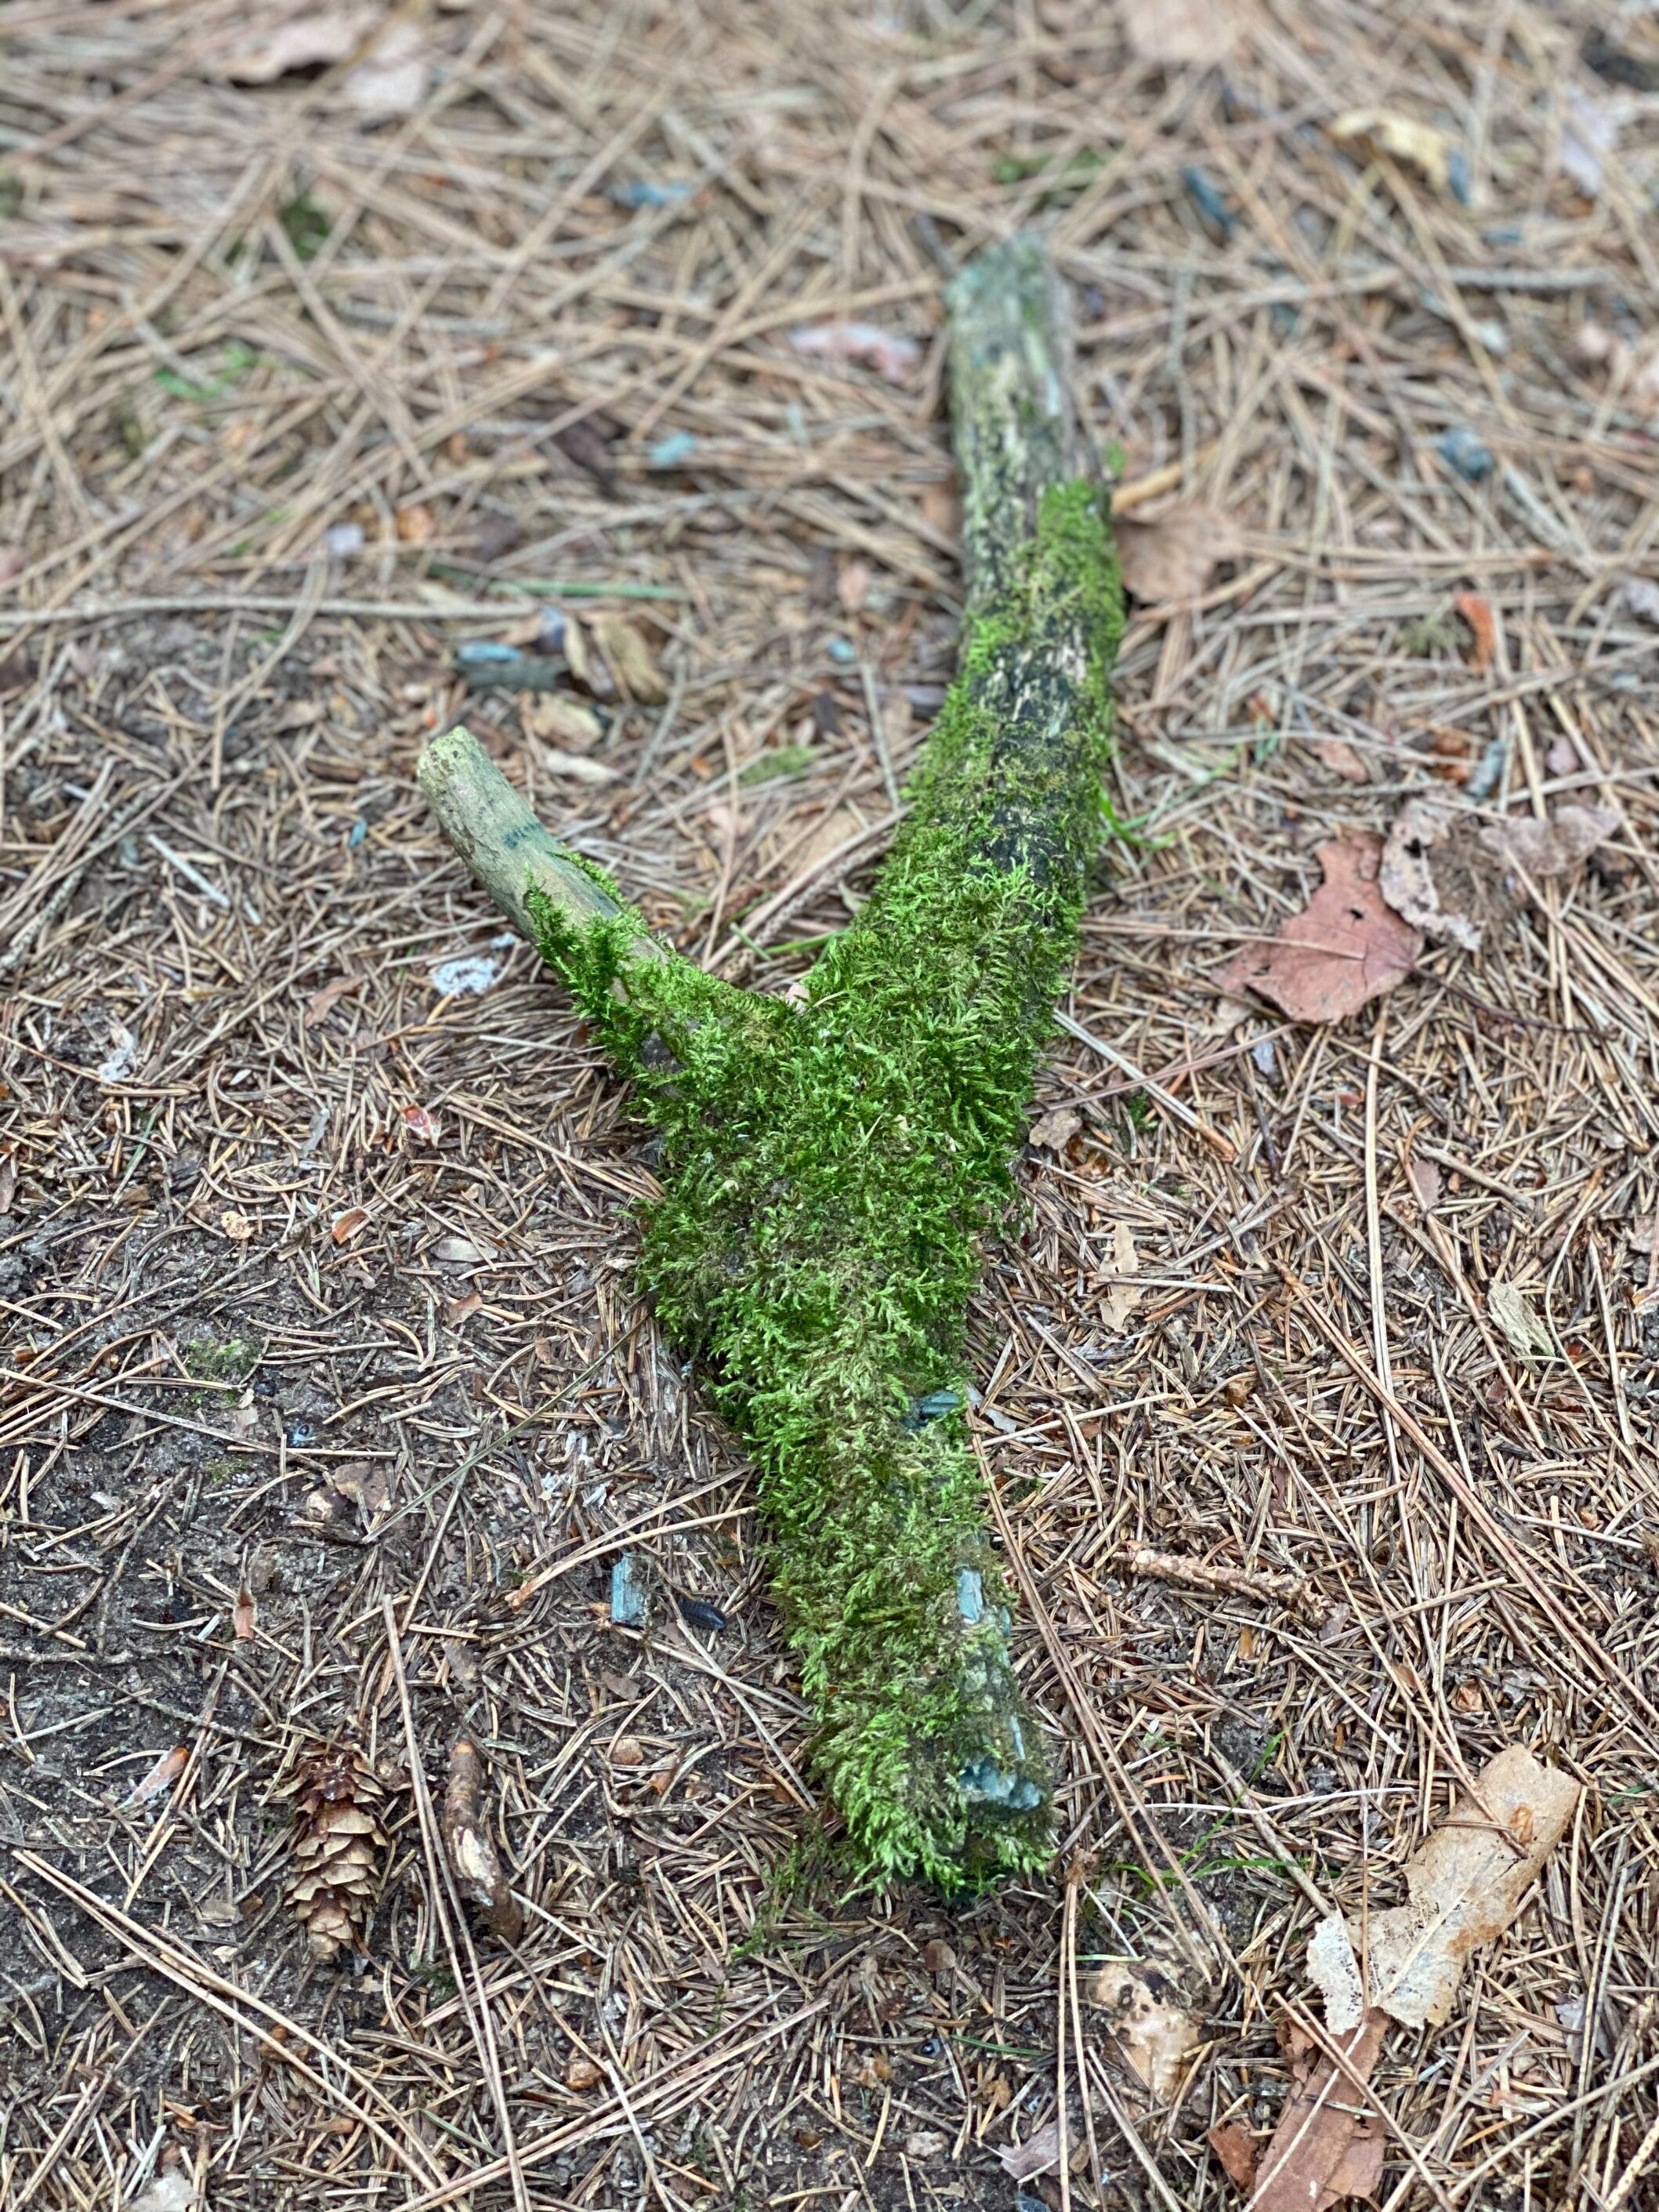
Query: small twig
point(1291, 1591)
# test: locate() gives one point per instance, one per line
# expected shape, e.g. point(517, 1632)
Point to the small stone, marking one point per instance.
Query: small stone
point(1462, 451)
point(627, 1593)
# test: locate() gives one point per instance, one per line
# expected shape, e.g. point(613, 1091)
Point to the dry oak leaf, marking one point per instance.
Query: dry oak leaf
point(1172, 556)
point(1347, 946)
point(1173, 34)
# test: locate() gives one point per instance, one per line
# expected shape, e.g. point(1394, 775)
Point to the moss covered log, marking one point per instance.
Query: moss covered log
point(831, 1166)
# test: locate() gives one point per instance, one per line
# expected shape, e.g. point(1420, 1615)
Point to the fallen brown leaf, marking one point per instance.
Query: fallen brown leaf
point(1341, 758)
point(1482, 618)
point(552, 716)
point(1325, 2148)
point(1121, 1296)
point(1024, 2161)
point(576, 652)
point(853, 586)
point(1425, 1178)
point(1174, 33)
point(393, 77)
point(1055, 1129)
point(1347, 947)
point(1526, 1331)
point(1369, 132)
point(367, 1486)
point(348, 1225)
point(576, 766)
point(1236, 2148)
point(321, 1003)
point(891, 356)
point(1153, 2029)
point(1556, 848)
point(1465, 1885)
point(1436, 874)
point(313, 41)
point(1173, 556)
point(630, 658)
point(1451, 875)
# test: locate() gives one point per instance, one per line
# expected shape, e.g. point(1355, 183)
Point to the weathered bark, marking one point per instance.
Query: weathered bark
point(831, 1167)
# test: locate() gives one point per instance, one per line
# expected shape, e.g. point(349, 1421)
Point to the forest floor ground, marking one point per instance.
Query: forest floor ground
point(328, 1405)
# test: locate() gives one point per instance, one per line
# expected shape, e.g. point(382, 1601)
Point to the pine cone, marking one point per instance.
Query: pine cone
point(338, 1839)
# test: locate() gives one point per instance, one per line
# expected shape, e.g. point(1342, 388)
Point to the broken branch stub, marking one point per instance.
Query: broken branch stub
point(830, 1164)
point(473, 1859)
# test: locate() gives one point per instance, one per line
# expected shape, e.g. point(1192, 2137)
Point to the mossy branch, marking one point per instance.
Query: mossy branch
point(832, 1167)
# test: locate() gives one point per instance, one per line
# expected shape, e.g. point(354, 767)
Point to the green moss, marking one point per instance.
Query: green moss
point(832, 1169)
point(232, 1361)
point(782, 760)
